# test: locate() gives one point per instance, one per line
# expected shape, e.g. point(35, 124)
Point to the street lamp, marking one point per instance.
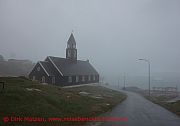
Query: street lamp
point(149, 72)
point(124, 81)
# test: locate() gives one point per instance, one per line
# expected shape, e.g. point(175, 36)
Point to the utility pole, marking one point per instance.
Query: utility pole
point(148, 73)
point(118, 82)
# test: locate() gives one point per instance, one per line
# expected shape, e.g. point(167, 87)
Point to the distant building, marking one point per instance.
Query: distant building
point(15, 67)
point(1, 58)
point(65, 71)
point(20, 61)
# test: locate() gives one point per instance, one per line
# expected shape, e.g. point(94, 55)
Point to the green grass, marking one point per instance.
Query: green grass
point(171, 106)
point(53, 101)
point(174, 107)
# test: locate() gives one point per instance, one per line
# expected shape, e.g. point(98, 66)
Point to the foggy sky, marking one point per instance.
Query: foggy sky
point(112, 34)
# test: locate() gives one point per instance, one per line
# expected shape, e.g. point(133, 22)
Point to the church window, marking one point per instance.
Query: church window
point(69, 54)
point(38, 68)
point(89, 78)
point(43, 79)
point(69, 79)
point(94, 77)
point(53, 80)
point(83, 78)
point(33, 78)
point(77, 78)
point(68, 46)
point(74, 53)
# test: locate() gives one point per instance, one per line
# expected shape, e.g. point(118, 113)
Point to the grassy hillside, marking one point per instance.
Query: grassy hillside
point(24, 98)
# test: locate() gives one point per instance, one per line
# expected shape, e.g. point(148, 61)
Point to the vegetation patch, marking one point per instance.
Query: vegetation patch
point(162, 100)
point(24, 98)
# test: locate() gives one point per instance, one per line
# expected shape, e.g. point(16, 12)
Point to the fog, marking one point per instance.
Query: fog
point(112, 34)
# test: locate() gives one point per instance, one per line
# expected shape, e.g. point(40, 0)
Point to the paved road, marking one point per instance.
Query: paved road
point(141, 112)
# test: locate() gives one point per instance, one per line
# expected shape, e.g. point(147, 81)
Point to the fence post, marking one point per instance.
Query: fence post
point(3, 83)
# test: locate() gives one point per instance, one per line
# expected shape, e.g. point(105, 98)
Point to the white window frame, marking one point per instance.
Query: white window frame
point(77, 78)
point(38, 68)
point(83, 78)
point(89, 77)
point(69, 53)
point(33, 78)
point(53, 80)
point(43, 79)
point(68, 45)
point(94, 77)
point(74, 53)
point(70, 79)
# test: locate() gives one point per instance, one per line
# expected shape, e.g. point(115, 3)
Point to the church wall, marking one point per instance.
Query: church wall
point(39, 74)
point(59, 80)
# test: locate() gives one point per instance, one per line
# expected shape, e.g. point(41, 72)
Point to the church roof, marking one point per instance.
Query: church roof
point(69, 68)
point(71, 39)
point(48, 68)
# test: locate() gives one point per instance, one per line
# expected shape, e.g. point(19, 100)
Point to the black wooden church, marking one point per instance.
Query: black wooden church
point(65, 71)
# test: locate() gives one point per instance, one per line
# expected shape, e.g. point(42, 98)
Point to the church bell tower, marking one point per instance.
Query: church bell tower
point(71, 51)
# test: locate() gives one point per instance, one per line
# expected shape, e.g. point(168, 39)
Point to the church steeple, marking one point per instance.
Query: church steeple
point(71, 51)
